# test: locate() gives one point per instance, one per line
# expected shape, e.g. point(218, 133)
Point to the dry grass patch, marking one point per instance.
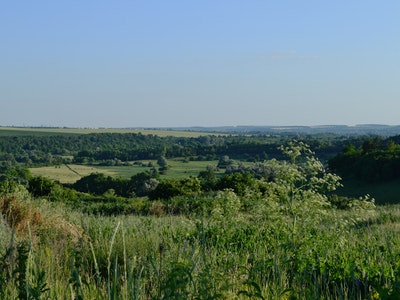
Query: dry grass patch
point(19, 215)
point(30, 221)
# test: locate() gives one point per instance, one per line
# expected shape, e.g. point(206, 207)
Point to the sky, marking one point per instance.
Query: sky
point(157, 63)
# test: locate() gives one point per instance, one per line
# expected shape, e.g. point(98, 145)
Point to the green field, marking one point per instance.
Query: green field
point(29, 131)
point(64, 174)
point(177, 169)
point(181, 169)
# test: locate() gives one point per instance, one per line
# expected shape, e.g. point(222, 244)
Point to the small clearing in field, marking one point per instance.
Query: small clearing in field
point(68, 174)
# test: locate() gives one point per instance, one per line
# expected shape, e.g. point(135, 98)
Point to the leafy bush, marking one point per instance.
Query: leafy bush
point(168, 189)
point(238, 182)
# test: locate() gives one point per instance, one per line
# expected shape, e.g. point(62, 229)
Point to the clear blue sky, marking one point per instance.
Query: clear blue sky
point(156, 63)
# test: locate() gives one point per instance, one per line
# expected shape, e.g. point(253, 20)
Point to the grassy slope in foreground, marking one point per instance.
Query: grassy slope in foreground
point(344, 255)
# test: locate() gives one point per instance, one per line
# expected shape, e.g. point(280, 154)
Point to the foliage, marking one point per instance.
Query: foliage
point(40, 186)
point(110, 148)
point(372, 162)
point(301, 185)
point(208, 179)
point(98, 183)
point(238, 182)
point(168, 189)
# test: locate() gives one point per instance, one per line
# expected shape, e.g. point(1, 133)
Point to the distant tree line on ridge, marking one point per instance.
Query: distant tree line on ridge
point(117, 148)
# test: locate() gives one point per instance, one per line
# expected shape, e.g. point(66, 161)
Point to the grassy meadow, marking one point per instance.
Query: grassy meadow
point(52, 252)
point(70, 173)
point(64, 174)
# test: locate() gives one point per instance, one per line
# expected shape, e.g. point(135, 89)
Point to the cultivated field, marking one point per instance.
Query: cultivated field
point(28, 131)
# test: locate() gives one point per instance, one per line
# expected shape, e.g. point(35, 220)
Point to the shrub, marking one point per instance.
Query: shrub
point(40, 186)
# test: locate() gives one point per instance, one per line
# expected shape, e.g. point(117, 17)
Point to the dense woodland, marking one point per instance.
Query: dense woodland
point(89, 148)
point(375, 161)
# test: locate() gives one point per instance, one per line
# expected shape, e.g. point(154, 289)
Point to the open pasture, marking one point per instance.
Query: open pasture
point(73, 172)
point(44, 131)
point(182, 169)
point(66, 174)
point(177, 168)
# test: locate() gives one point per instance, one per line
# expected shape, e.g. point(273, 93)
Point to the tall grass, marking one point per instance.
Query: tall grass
point(228, 254)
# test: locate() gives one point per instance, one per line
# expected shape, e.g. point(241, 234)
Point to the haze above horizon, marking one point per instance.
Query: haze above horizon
point(199, 63)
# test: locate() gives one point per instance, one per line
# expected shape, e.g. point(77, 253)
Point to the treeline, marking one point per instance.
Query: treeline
point(109, 147)
point(376, 160)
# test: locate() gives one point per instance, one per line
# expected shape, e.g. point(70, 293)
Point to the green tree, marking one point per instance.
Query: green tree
point(142, 183)
point(170, 188)
point(165, 190)
point(224, 162)
point(40, 186)
point(95, 183)
point(238, 182)
point(208, 179)
point(391, 146)
point(163, 163)
point(371, 144)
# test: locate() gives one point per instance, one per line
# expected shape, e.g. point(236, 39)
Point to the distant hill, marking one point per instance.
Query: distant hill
point(370, 129)
point(364, 129)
